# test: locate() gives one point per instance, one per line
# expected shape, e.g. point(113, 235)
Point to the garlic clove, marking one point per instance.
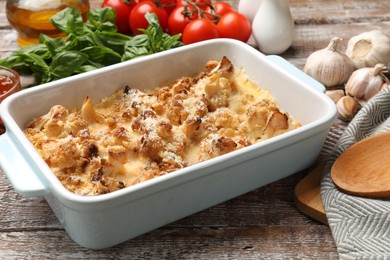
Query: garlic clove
point(347, 108)
point(372, 89)
point(368, 49)
point(329, 66)
point(365, 83)
point(357, 83)
point(335, 95)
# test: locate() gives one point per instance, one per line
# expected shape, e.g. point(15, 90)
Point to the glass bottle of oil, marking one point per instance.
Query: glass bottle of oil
point(31, 17)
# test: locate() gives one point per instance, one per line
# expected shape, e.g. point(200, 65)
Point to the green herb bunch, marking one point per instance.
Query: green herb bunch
point(87, 46)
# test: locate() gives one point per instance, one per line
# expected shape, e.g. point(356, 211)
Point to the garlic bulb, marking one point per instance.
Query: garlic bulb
point(364, 83)
point(368, 49)
point(347, 107)
point(329, 66)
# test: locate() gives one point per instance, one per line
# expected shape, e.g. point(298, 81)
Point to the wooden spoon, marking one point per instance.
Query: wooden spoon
point(307, 195)
point(364, 168)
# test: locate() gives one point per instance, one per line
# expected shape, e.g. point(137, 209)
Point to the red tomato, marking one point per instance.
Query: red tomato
point(219, 9)
point(199, 30)
point(202, 4)
point(178, 19)
point(168, 5)
point(122, 9)
point(137, 18)
point(234, 25)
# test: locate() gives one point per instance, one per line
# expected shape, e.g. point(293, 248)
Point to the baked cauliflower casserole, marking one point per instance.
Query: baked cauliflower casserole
point(135, 135)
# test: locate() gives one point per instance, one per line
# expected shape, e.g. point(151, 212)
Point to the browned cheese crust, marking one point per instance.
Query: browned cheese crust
point(133, 136)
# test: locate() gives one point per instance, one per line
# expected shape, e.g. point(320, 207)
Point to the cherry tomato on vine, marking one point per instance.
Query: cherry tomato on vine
point(179, 18)
point(122, 9)
point(137, 18)
point(220, 8)
point(234, 25)
point(199, 30)
point(168, 5)
point(202, 4)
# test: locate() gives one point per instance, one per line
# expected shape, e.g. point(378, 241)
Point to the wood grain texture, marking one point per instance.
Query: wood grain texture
point(263, 223)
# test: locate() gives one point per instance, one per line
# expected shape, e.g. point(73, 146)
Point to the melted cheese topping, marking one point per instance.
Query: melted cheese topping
point(133, 136)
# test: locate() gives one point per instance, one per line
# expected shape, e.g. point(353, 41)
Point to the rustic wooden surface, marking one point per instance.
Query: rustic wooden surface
point(262, 224)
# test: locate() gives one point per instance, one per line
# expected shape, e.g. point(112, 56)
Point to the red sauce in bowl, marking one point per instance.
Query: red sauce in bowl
point(9, 84)
point(6, 83)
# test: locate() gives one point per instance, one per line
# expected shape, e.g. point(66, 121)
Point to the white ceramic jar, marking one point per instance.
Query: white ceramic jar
point(249, 8)
point(273, 26)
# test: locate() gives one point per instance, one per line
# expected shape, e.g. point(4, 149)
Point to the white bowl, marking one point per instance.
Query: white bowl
point(106, 220)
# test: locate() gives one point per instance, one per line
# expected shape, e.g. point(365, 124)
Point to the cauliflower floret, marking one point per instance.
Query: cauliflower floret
point(215, 145)
point(63, 153)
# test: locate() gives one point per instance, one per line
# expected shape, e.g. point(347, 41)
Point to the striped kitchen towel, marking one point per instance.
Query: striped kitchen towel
point(360, 226)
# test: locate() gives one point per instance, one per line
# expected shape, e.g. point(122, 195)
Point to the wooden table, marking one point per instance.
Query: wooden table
point(263, 223)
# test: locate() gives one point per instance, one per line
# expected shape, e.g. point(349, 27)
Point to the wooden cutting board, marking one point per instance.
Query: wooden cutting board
point(307, 195)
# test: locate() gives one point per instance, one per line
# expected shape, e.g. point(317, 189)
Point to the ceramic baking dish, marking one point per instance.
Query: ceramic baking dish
point(106, 220)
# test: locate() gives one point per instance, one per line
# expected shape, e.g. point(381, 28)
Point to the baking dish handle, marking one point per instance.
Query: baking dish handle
point(296, 72)
point(18, 171)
